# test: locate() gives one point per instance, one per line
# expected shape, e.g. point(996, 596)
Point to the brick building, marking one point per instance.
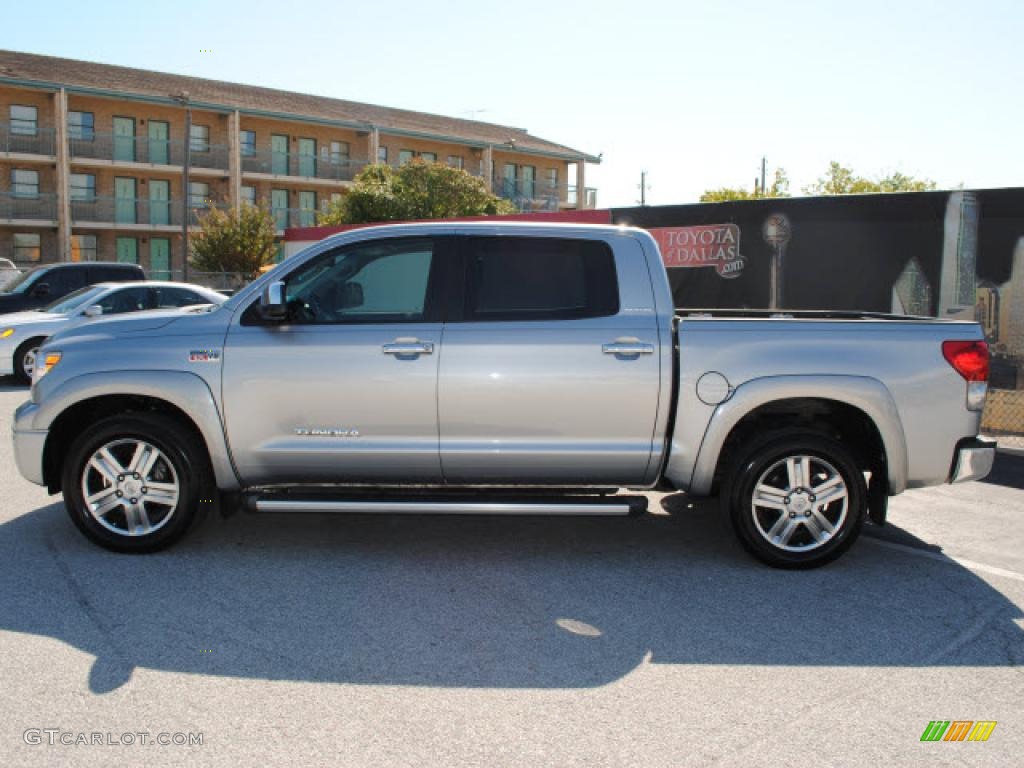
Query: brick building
point(93, 157)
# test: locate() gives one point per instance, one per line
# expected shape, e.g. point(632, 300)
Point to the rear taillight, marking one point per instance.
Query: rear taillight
point(970, 360)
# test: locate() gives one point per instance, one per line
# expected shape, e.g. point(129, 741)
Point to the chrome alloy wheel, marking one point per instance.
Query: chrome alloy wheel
point(799, 503)
point(28, 362)
point(130, 487)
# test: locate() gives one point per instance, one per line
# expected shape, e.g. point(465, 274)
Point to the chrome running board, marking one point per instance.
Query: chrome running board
point(613, 506)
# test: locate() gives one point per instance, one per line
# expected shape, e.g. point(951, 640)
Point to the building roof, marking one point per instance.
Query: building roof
point(107, 79)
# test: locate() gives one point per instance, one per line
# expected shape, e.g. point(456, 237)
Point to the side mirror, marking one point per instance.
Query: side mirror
point(40, 290)
point(272, 302)
point(94, 310)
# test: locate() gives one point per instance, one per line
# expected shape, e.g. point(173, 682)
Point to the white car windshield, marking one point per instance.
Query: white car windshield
point(83, 297)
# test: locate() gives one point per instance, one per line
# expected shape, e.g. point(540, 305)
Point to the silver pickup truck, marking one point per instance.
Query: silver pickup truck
point(499, 368)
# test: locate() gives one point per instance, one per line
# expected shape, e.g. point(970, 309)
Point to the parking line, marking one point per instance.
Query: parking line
point(969, 564)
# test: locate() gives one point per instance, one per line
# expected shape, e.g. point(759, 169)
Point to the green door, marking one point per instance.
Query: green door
point(124, 139)
point(124, 200)
point(307, 209)
point(307, 157)
point(279, 154)
point(279, 207)
point(159, 141)
point(128, 250)
point(159, 258)
point(159, 202)
point(508, 190)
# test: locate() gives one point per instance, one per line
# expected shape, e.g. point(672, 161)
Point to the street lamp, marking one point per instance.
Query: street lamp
point(183, 99)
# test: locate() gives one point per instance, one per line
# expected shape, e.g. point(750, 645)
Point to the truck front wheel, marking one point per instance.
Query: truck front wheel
point(133, 483)
point(796, 499)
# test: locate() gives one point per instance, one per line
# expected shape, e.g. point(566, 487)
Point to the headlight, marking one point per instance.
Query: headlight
point(50, 359)
point(6, 332)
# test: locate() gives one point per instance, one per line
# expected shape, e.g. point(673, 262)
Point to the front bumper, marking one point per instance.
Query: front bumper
point(973, 460)
point(29, 443)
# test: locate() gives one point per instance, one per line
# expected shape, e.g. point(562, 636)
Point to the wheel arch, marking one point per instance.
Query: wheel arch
point(857, 410)
point(86, 399)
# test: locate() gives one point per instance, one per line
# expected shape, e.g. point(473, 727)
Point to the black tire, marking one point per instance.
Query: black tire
point(19, 359)
point(809, 544)
point(183, 460)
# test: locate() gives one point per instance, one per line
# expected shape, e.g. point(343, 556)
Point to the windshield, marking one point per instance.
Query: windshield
point(75, 300)
point(21, 283)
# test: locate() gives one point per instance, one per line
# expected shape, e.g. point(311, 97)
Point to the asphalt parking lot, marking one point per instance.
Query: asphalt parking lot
point(332, 640)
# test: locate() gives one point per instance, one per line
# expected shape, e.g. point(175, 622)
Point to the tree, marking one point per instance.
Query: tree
point(779, 188)
point(417, 190)
point(242, 242)
point(839, 180)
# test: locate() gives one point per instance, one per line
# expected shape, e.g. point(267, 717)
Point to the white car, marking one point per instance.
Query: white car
point(22, 333)
point(7, 272)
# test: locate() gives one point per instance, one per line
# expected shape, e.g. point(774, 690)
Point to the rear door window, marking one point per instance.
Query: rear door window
point(63, 280)
point(533, 278)
point(177, 297)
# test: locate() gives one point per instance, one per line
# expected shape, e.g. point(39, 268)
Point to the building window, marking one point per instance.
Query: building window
point(81, 125)
point(455, 161)
point(248, 142)
point(26, 246)
point(83, 248)
point(382, 154)
point(339, 152)
point(248, 194)
point(428, 157)
point(198, 194)
point(24, 120)
point(405, 156)
point(552, 178)
point(199, 138)
point(24, 183)
point(83, 186)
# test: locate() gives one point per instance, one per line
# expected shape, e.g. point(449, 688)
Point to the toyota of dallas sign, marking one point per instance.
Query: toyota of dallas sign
point(709, 245)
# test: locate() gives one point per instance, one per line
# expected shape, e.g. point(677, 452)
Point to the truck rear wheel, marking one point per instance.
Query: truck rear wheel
point(133, 483)
point(796, 499)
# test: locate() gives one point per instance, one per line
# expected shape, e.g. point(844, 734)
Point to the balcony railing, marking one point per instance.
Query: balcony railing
point(18, 139)
point(142, 149)
point(128, 210)
point(41, 207)
point(304, 166)
point(534, 195)
point(294, 217)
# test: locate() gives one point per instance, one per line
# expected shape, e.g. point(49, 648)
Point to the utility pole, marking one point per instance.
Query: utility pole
point(764, 169)
point(643, 187)
point(186, 210)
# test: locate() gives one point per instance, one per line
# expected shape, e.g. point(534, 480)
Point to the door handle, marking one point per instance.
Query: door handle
point(408, 347)
point(628, 347)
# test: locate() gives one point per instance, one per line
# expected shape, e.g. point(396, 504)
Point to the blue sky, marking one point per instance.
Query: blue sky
point(695, 93)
